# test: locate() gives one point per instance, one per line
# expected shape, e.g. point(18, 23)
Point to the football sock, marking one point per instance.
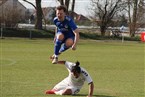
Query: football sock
point(63, 48)
point(57, 47)
point(59, 92)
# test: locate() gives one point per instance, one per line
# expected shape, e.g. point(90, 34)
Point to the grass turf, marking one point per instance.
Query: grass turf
point(117, 68)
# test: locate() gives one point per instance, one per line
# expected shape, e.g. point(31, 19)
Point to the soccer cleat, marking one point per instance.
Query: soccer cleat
point(52, 57)
point(55, 60)
point(50, 92)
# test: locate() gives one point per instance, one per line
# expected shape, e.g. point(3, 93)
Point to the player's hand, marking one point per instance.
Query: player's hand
point(73, 47)
point(89, 96)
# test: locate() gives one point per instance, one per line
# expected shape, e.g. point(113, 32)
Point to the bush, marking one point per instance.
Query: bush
point(11, 32)
point(95, 36)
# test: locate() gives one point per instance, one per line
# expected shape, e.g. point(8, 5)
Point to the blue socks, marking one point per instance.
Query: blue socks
point(63, 48)
point(57, 47)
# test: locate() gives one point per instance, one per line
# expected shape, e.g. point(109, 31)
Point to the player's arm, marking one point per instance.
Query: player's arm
point(75, 29)
point(76, 32)
point(91, 89)
point(55, 35)
point(61, 62)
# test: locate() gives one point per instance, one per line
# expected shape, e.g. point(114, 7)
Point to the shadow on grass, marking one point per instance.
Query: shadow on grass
point(83, 95)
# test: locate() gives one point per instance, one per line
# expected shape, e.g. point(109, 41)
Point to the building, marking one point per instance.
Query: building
point(49, 12)
point(80, 19)
point(12, 11)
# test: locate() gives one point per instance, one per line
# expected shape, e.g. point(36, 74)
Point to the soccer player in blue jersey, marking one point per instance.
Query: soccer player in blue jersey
point(67, 33)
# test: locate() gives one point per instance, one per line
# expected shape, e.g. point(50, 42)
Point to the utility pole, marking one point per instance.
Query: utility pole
point(2, 19)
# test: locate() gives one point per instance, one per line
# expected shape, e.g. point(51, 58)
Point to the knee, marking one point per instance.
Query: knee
point(67, 92)
point(60, 36)
point(69, 42)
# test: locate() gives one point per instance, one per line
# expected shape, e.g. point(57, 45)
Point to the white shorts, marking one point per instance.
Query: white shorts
point(63, 85)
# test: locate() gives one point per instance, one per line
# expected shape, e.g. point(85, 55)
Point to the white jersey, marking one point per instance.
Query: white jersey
point(84, 76)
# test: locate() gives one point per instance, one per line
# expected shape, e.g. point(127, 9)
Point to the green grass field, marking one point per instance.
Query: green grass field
point(117, 68)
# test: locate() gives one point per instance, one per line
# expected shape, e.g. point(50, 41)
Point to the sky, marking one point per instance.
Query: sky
point(81, 6)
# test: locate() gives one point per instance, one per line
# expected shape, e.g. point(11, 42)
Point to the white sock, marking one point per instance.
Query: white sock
point(59, 92)
point(56, 56)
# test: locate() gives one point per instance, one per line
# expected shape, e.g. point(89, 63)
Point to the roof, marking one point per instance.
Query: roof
point(4, 1)
point(79, 16)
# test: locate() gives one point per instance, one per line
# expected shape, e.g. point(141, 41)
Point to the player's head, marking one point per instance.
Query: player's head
point(61, 12)
point(76, 70)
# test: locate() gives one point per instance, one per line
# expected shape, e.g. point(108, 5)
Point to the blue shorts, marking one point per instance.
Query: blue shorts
point(66, 37)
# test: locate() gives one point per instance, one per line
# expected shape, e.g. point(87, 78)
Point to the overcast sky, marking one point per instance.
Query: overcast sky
point(81, 6)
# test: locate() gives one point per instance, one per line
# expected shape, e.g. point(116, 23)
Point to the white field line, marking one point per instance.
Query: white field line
point(12, 62)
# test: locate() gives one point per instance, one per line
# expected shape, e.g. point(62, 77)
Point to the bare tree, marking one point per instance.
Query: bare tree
point(141, 7)
point(67, 4)
point(39, 13)
point(30, 3)
point(61, 2)
point(132, 17)
point(2, 2)
point(141, 13)
point(72, 9)
point(135, 13)
point(104, 11)
point(11, 19)
point(73, 5)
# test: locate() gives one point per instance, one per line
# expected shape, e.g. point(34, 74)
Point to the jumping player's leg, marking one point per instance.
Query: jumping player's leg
point(58, 42)
point(68, 43)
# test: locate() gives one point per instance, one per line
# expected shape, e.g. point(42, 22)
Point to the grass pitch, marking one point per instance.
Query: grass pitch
point(117, 68)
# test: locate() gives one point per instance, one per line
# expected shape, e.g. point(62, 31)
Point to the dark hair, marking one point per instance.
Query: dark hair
point(62, 7)
point(76, 68)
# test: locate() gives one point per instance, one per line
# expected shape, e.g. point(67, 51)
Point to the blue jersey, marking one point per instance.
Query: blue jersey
point(66, 27)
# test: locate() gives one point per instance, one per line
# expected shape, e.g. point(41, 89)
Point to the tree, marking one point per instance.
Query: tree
point(11, 17)
point(123, 21)
point(141, 12)
point(67, 4)
point(61, 2)
point(135, 13)
point(72, 9)
point(104, 11)
point(133, 19)
point(39, 13)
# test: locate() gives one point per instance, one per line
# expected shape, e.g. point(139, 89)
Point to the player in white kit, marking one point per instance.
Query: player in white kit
point(73, 83)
